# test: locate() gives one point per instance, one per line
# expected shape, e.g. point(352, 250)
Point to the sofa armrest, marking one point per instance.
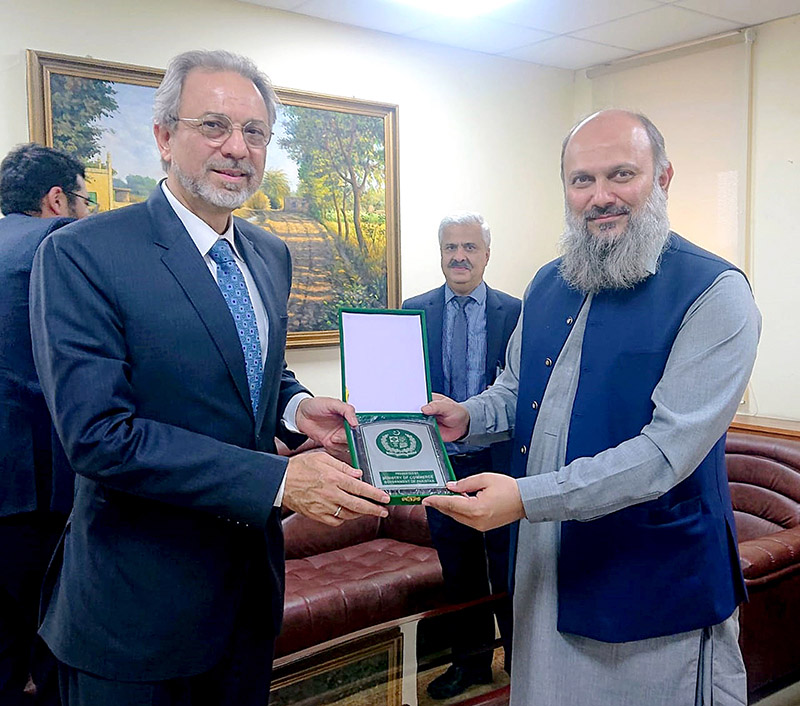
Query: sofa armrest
point(767, 558)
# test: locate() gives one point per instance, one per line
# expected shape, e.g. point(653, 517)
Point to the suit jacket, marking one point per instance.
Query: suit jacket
point(174, 524)
point(502, 312)
point(30, 477)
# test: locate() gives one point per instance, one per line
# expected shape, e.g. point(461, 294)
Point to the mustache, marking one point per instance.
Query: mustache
point(460, 263)
point(599, 211)
point(241, 165)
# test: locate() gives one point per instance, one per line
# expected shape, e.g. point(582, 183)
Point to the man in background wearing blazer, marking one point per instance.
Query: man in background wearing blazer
point(468, 326)
point(41, 189)
point(159, 332)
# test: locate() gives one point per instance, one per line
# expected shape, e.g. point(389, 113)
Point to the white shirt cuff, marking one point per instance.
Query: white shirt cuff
point(279, 495)
point(290, 412)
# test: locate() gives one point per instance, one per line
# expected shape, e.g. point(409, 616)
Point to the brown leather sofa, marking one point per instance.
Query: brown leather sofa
point(367, 571)
point(364, 572)
point(764, 476)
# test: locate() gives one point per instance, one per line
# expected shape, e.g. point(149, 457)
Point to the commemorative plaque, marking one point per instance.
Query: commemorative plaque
point(385, 376)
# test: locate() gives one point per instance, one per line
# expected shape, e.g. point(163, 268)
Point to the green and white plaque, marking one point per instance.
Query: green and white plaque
point(400, 455)
point(385, 377)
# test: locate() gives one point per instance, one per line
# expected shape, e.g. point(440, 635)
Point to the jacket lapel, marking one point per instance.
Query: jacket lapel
point(266, 289)
point(434, 314)
point(495, 320)
point(186, 264)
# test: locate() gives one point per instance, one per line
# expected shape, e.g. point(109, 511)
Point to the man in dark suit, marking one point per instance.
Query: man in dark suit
point(469, 325)
point(159, 333)
point(41, 189)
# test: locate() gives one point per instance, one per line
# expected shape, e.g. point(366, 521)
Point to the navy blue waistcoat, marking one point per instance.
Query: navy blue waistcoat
point(663, 566)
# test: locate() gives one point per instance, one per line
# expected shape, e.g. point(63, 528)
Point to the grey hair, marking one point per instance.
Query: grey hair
point(660, 159)
point(466, 218)
point(167, 100)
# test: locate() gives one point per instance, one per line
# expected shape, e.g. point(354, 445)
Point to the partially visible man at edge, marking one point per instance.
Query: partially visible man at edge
point(41, 189)
point(159, 333)
point(633, 351)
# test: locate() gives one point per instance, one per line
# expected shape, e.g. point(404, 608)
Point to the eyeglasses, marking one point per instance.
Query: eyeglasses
point(217, 128)
point(90, 200)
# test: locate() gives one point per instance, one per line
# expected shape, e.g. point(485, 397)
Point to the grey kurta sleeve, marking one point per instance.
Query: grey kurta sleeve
point(703, 381)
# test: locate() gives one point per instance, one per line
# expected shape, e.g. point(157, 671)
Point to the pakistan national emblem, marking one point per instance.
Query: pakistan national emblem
point(399, 443)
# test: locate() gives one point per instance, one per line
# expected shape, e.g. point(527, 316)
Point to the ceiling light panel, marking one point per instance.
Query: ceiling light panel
point(479, 34)
point(457, 8)
point(380, 15)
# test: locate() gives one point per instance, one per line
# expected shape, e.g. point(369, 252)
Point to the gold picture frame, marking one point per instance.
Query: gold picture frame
point(330, 189)
point(368, 668)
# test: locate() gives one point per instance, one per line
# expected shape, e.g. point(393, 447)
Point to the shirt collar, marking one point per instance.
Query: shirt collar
point(478, 294)
point(202, 234)
point(653, 262)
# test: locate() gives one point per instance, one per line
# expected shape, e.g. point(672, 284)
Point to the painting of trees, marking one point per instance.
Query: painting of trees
point(140, 186)
point(344, 147)
point(341, 260)
point(101, 113)
point(331, 182)
point(78, 105)
point(275, 185)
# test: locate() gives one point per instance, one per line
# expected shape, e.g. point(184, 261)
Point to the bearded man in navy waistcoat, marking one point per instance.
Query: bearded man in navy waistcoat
point(632, 353)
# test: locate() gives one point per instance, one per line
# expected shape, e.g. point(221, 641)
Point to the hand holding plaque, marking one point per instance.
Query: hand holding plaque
point(385, 377)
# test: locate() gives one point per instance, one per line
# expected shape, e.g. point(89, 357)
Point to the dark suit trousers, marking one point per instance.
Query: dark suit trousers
point(474, 564)
point(241, 678)
point(27, 542)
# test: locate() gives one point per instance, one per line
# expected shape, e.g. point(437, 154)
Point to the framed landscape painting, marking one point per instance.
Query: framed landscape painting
point(329, 189)
point(101, 113)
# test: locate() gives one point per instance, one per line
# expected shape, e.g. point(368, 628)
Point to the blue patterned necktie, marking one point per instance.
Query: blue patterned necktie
point(458, 352)
point(234, 290)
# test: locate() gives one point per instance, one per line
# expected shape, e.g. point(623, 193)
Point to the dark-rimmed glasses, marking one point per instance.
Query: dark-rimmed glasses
point(217, 128)
point(89, 200)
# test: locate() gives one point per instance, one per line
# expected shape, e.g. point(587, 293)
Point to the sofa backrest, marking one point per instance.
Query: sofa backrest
point(764, 478)
point(407, 523)
point(304, 537)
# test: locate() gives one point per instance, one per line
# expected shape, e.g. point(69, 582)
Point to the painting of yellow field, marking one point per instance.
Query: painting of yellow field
point(329, 188)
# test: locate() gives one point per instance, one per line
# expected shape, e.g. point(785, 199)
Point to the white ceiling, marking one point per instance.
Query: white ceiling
point(569, 34)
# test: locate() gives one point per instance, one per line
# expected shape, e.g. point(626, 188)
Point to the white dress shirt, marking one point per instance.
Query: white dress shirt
point(204, 237)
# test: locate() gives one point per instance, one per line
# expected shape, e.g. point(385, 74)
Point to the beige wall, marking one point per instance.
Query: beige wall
point(476, 132)
point(775, 218)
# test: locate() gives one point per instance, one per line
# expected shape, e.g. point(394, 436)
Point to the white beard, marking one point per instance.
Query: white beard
point(592, 263)
point(228, 196)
